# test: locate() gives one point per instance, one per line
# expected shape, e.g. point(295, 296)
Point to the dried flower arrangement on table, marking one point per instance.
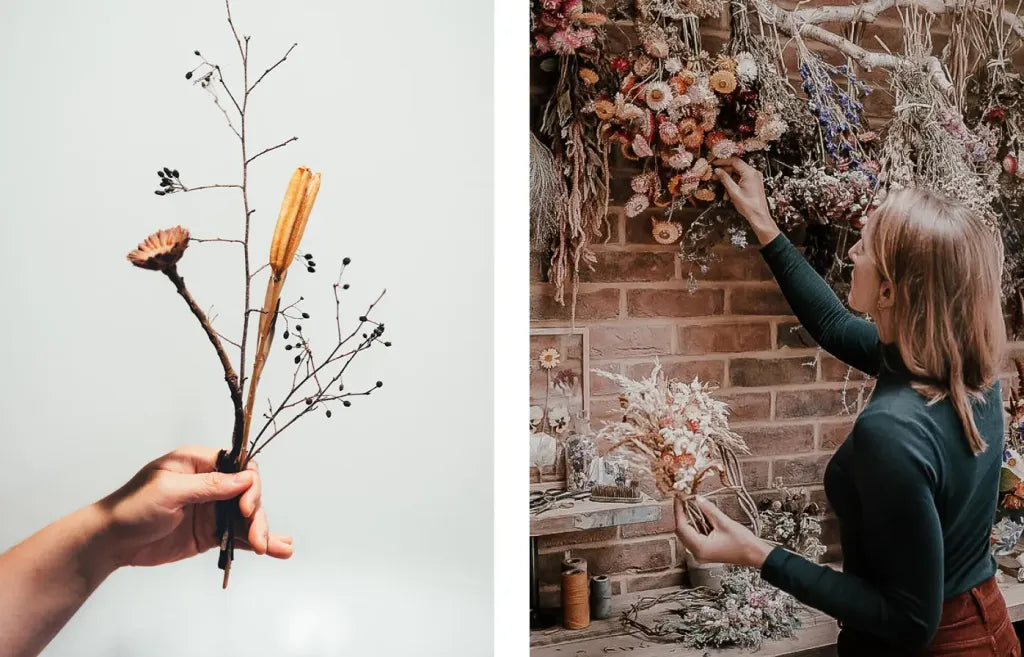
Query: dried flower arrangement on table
point(745, 613)
point(683, 434)
point(317, 382)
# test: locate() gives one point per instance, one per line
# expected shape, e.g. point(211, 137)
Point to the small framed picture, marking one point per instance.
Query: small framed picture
point(559, 395)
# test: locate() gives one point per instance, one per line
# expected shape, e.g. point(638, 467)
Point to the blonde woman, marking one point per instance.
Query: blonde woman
point(915, 484)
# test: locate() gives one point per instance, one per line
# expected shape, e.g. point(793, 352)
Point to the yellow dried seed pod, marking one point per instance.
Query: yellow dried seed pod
point(302, 217)
point(286, 218)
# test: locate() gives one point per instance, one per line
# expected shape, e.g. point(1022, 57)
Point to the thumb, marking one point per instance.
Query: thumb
point(730, 185)
point(714, 515)
point(208, 486)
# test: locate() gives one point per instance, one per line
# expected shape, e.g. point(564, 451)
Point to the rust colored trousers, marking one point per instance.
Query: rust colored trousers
point(973, 624)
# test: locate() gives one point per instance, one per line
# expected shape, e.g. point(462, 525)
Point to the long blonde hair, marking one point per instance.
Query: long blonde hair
point(945, 265)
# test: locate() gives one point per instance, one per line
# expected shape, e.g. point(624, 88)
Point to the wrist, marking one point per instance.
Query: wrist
point(96, 545)
point(757, 553)
point(766, 230)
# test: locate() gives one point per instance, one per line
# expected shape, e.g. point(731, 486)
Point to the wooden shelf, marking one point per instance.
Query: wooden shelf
point(816, 638)
point(585, 514)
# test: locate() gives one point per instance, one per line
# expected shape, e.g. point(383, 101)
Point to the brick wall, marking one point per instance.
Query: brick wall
point(792, 404)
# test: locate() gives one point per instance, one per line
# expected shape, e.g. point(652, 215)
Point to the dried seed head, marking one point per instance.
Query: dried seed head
point(161, 250)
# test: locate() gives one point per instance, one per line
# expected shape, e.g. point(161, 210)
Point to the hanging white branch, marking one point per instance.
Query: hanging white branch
point(869, 11)
point(801, 23)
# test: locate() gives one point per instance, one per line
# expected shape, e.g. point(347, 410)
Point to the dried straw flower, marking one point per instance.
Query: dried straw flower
point(637, 204)
point(704, 194)
point(643, 66)
point(605, 109)
point(658, 96)
point(589, 76)
point(724, 82)
point(680, 159)
point(161, 250)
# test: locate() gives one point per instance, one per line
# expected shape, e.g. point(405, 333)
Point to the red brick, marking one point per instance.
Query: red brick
point(604, 410)
point(750, 372)
point(708, 371)
point(663, 580)
point(631, 266)
point(834, 434)
point(623, 341)
point(732, 265)
point(813, 403)
point(602, 304)
point(576, 538)
point(773, 439)
point(675, 303)
point(755, 474)
point(833, 369)
point(665, 525)
point(802, 470)
point(758, 301)
point(747, 405)
point(600, 385)
point(724, 338)
point(793, 334)
point(612, 559)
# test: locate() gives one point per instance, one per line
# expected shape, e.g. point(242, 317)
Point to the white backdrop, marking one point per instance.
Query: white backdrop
point(103, 367)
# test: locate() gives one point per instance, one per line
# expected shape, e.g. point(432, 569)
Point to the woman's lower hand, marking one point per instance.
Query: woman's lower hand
point(747, 195)
point(728, 542)
point(166, 512)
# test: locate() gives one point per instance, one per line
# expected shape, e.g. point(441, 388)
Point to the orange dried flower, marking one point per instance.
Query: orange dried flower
point(724, 82)
point(161, 250)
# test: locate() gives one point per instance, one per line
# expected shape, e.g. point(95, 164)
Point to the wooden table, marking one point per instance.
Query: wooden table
point(816, 638)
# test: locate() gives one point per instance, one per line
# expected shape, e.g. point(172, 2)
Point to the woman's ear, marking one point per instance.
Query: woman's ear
point(886, 295)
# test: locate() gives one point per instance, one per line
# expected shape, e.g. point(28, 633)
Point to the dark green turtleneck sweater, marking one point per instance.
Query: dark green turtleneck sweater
point(915, 507)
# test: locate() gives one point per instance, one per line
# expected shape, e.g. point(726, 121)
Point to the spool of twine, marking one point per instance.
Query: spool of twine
point(575, 599)
point(600, 597)
point(576, 563)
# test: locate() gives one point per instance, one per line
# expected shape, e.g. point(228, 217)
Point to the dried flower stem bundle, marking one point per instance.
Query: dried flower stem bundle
point(684, 434)
point(316, 383)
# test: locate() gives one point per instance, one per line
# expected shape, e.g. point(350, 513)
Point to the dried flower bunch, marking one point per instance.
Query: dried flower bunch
point(821, 195)
point(684, 434)
point(568, 165)
point(676, 111)
point(745, 613)
point(793, 521)
point(316, 381)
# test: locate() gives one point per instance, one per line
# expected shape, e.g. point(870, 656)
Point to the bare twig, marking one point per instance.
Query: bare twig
point(272, 148)
point(279, 62)
point(214, 239)
point(195, 189)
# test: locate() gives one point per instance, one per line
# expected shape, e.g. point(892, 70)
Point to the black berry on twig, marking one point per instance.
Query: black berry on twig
point(346, 402)
point(305, 315)
point(346, 261)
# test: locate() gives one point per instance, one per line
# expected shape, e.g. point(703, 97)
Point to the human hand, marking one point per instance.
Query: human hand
point(166, 512)
point(747, 196)
point(728, 542)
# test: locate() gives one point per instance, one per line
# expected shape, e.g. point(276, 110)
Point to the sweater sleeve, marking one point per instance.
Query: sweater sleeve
point(902, 543)
point(841, 333)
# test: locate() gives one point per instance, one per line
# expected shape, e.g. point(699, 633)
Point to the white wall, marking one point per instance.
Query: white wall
point(102, 368)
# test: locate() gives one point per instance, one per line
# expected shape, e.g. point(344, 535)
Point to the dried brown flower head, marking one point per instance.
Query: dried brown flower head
point(161, 250)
